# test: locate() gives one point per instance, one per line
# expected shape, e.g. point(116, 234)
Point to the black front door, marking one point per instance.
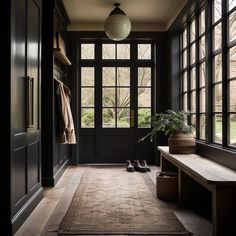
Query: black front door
point(116, 101)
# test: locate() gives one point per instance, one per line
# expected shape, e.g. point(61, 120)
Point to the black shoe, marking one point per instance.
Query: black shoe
point(129, 166)
point(145, 165)
point(138, 167)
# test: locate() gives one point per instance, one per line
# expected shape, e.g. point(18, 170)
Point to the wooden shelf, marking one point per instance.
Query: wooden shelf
point(60, 50)
point(61, 56)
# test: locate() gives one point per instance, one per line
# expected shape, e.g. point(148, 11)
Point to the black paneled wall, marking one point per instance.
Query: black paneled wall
point(55, 156)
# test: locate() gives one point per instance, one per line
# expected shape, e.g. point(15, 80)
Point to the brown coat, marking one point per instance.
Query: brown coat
point(65, 125)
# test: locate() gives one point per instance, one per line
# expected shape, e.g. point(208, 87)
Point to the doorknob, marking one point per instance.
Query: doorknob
point(132, 118)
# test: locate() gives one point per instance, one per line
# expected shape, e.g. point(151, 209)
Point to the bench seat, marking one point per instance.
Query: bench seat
point(218, 179)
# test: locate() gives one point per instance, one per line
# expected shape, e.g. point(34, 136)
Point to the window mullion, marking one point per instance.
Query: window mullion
point(209, 59)
point(224, 74)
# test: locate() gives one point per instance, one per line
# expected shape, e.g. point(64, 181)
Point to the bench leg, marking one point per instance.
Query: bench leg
point(224, 210)
point(184, 190)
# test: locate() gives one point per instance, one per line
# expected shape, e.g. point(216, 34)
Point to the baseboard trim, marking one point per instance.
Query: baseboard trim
point(25, 211)
point(52, 181)
point(60, 171)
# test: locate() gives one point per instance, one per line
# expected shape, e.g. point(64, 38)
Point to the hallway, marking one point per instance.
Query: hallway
point(46, 217)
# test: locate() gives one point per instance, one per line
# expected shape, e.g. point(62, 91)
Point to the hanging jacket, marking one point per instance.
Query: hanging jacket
point(65, 130)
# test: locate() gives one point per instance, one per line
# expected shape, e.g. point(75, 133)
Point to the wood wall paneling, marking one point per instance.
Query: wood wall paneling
point(25, 168)
point(55, 156)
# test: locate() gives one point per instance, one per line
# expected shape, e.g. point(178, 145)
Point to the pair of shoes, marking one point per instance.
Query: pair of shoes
point(146, 166)
point(129, 166)
point(142, 168)
point(137, 166)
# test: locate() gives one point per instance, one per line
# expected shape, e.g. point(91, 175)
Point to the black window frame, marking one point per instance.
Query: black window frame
point(209, 73)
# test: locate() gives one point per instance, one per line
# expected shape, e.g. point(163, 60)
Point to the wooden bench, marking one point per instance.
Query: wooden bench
point(200, 179)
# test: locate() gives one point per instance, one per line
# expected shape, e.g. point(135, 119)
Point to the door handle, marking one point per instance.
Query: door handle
point(29, 102)
point(132, 118)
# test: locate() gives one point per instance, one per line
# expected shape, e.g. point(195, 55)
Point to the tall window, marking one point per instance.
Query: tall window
point(193, 60)
point(217, 71)
point(88, 87)
point(211, 83)
point(184, 80)
point(202, 77)
point(231, 82)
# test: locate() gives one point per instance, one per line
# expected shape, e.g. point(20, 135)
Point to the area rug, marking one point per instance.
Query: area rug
point(112, 201)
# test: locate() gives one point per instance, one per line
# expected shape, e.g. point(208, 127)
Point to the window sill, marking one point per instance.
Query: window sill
point(222, 155)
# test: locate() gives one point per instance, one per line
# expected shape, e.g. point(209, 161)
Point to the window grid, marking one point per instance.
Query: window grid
point(190, 95)
point(87, 97)
point(215, 76)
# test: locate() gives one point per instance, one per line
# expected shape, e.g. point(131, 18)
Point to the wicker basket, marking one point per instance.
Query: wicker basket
point(167, 186)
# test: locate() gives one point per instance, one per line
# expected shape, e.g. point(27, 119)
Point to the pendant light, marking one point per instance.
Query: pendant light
point(117, 25)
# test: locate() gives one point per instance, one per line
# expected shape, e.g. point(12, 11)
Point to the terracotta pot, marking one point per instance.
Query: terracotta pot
point(181, 143)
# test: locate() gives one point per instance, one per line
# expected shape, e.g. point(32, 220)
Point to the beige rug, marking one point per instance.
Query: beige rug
point(110, 200)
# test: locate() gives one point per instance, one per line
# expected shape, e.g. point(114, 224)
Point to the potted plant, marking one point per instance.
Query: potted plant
point(175, 125)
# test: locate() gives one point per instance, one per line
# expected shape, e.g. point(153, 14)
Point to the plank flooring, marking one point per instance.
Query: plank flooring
point(44, 220)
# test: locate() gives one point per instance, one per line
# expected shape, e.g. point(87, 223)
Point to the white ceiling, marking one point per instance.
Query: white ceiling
point(141, 12)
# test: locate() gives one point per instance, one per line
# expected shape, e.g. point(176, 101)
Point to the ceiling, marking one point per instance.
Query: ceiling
point(159, 13)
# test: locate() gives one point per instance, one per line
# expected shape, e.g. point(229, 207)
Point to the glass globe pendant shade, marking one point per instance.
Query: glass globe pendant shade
point(117, 25)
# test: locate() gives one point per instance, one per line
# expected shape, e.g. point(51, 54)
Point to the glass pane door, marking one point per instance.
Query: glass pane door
point(115, 97)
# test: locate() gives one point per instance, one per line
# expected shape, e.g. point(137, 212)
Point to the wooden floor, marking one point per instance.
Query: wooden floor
point(44, 220)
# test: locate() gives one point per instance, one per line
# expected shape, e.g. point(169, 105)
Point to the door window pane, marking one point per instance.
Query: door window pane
point(87, 97)
point(217, 37)
point(144, 97)
point(217, 10)
point(108, 76)
point(144, 118)
point(202, 48)
point(87, 76)
point(123, 51)
point(232, 26)
point(217, 68)
point(144, 76)
point(108, 97)
point(144, 51)
point(232, 125)
point(87, 117)
point(108, 51)
point(123, 76)
point(87, 51)
point(217, 91)
point(217, 128)
point(232, 96)
point(108, 117)
point(123, 97)
point(202, 126)
point(202, 100)
point(123, 117)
